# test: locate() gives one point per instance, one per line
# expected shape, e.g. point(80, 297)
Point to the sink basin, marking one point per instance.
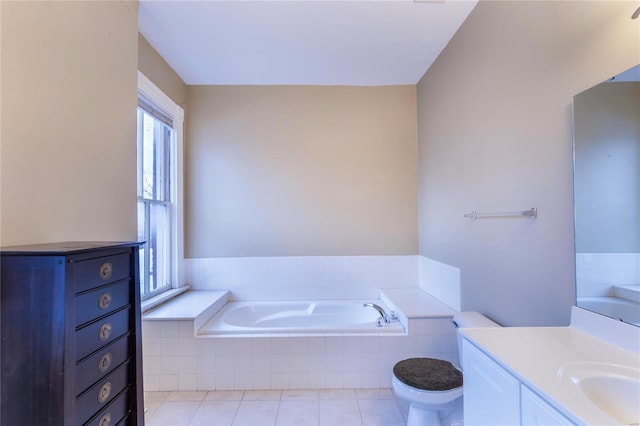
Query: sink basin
point(618, 397)
point(613, 389)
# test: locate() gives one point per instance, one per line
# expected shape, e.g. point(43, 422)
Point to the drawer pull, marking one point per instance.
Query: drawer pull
point(104, 392)
point(106, 270)
point(104, 301)
point(105, 362)
point(105, 332)
point(105, 420)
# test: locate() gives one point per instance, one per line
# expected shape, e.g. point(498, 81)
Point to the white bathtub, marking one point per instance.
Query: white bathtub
point(297, 317)
point(614, 307)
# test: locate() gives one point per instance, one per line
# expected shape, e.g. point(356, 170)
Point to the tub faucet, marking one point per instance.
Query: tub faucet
point(384, 319)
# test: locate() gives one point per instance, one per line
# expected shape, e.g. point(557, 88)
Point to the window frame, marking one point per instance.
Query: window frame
point(151, 93)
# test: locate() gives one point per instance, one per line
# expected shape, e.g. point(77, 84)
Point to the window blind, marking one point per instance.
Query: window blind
point(148, 107)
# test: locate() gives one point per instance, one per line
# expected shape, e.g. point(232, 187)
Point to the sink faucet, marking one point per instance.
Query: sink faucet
point(384, 319)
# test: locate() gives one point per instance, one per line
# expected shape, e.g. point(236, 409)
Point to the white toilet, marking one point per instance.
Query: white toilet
point(433, 387)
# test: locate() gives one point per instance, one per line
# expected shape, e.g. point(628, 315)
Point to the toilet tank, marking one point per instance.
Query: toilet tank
point(470, 319)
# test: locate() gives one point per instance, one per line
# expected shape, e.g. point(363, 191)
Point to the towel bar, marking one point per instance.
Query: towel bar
point(532, 213)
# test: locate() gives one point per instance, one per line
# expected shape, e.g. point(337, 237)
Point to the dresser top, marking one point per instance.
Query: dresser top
point(64, 248)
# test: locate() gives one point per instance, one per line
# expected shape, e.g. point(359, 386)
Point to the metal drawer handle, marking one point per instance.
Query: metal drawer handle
point(104, 392)
point(105, 271)
point(105, 420)
point(105, 332)
point(104, 301)
point(105, 362)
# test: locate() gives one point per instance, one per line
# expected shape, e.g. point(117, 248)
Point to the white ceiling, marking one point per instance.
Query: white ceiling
point(632, 74)
point(301, 42)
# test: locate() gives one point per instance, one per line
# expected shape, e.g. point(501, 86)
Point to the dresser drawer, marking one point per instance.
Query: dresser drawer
point(114, 414)
point(98, 397)
point(101, 270)
point(100, 333)
point(102, 363)
point(101, 301)
point(126, 421)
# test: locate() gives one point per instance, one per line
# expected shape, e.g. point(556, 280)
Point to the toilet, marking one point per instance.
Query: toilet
point(433, 387)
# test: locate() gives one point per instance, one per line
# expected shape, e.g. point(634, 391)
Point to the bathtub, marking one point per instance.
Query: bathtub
point(614, 307)
point(297, 317)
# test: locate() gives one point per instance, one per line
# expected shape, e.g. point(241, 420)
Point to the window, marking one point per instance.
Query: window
point(154, 201)
point(159, 196)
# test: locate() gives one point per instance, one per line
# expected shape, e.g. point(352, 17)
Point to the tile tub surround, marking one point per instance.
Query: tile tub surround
point(176, 360)
point(598, 273)
point(323, 277)
point(303, 277)
point(440, 280)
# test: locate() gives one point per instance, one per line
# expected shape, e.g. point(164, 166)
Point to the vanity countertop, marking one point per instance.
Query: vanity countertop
point(538, 355)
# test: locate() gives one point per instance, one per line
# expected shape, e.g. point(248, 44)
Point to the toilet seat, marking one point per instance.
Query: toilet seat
point(428, 374)
point(438, 386)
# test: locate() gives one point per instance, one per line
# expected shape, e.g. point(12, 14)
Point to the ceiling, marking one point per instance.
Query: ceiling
point(363, 43)
point(632, 74)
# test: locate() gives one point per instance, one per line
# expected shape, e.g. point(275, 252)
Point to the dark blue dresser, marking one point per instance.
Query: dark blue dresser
point(71, 341)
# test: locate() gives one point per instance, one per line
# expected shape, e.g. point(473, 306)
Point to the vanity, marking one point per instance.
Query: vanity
point(589, 372)
point(584, 374)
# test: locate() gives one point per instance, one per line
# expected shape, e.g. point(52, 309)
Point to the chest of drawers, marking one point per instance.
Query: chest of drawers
point(71, 343)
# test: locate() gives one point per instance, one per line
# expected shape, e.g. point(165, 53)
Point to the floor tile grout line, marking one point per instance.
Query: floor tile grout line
point(235, 413)
point(359, 410)
point(196, 411)
point(275, 422)
point(402, 412)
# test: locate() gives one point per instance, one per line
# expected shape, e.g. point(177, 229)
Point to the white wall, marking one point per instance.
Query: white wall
point(68, 153)
point(495, 134)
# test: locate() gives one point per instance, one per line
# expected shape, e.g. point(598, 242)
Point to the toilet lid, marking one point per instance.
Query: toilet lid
point(428, 374)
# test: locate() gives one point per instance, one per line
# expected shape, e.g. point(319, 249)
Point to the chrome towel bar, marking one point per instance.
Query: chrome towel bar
point(531, 213)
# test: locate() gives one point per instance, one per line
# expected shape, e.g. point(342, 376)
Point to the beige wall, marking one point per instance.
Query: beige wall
point(156, 69)
point(298, 170)
point(68, 151)
point(495, 134)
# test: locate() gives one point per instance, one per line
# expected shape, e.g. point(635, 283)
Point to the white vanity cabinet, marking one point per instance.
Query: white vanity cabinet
point(493, 396)
point(536, 411)
point(533, 375)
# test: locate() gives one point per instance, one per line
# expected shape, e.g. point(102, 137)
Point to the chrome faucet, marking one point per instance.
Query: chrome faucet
point(384, 319)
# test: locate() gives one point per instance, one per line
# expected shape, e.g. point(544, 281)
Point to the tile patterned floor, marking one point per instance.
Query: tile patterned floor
point(327, 407)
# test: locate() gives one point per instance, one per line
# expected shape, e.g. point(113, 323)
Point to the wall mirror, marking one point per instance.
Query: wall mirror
point(607, 197)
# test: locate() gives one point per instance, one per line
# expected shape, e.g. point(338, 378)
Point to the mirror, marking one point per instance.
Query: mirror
point(607, 197)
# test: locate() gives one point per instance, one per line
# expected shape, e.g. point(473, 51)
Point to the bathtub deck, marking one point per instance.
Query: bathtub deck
point(416, 303)
point(628, 292)
point(194, 306)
